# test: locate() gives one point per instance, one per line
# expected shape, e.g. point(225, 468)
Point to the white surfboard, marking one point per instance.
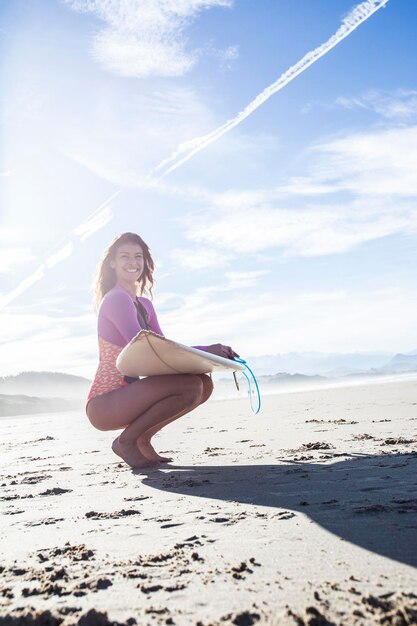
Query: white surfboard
point(149, 354)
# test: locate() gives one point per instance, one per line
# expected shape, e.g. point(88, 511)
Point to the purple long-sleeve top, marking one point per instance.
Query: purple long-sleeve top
point(117, 317)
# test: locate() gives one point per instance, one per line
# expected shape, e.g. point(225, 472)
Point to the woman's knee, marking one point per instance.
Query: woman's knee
point(207, 387)
point(194, 388)
point(97, 423)
point(96, 418)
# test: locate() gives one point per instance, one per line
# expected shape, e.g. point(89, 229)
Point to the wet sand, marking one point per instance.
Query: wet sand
point(304, 514)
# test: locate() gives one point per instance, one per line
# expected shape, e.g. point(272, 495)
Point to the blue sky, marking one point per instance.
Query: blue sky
point(294, 231)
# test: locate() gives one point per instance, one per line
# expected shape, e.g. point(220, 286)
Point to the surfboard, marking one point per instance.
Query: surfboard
point(149, 354)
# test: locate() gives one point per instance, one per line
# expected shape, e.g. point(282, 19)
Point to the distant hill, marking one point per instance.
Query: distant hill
point(45, 385)
point(317, 363)
point(333, 365)
point(34, 392)
point(400, 363)
point(293, 379)
point(12, 405)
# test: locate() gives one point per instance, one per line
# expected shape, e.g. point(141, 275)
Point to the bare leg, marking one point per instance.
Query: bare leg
point(143, 405)
point(126, 443)
point(144, 441)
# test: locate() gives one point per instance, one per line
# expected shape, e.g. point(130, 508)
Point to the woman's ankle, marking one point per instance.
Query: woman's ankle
point(125, 441)
point(145, 438)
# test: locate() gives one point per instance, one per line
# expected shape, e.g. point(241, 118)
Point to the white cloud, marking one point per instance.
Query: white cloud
point(378, 171)
point(201, 258)
point(243, 280)
point(127, 134)
point(254, 321)
point(230, 54)
point(370, 163)
point(376, 168)
point(210, 308)
point(144, 38)
point(280, 320)
point(399, 105)
point(304, 231)
point(42, 342)
point(11, 258)
point(226, 56)
point(274, 321)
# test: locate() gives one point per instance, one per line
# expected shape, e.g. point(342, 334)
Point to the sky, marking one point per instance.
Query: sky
point(293, 231)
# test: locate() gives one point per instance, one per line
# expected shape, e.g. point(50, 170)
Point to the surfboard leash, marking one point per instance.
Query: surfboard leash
point(239, 360)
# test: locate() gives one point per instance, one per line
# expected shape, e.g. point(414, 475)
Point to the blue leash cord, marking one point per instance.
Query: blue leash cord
point(249, 384)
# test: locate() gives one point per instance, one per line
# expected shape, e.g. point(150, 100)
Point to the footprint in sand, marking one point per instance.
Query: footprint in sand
point(114, 515)
point(55, 491)
point(48, 521)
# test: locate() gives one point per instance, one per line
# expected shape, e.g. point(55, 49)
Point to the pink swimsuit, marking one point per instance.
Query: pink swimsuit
point(117, 324)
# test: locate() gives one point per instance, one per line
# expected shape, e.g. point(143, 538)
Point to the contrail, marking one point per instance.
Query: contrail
point(24, 285)
point(185, 151)
point(102, 215)
point(61, 251)
point(96, 221)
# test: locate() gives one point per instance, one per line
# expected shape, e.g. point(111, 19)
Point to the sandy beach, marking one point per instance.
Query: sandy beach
point(304, 514)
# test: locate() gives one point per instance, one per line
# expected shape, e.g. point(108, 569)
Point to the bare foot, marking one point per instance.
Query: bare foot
point(146, 448)
point(130, 454)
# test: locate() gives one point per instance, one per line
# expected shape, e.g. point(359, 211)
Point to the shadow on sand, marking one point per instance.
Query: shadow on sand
point(370, 501)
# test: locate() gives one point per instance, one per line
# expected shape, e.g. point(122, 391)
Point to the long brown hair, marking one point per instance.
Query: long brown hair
point(106, 277)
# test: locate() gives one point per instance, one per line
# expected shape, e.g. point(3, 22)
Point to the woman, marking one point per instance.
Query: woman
point(142, 407)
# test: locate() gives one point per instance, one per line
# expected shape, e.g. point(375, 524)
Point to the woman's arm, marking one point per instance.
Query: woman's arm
point(118, 321)
point(225, 351)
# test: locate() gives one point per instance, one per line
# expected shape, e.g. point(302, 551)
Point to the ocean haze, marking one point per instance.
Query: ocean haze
point(312, 363)
point(45, 385)
point(40, 392)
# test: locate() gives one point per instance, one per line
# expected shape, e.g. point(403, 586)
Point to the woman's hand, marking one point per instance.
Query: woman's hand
point(225, 351)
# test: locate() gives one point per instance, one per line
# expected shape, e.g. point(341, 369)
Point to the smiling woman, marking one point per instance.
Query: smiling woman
point(140, 407)
point(126, 255)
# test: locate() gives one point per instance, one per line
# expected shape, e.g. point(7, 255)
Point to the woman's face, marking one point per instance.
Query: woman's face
point(128, 263)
